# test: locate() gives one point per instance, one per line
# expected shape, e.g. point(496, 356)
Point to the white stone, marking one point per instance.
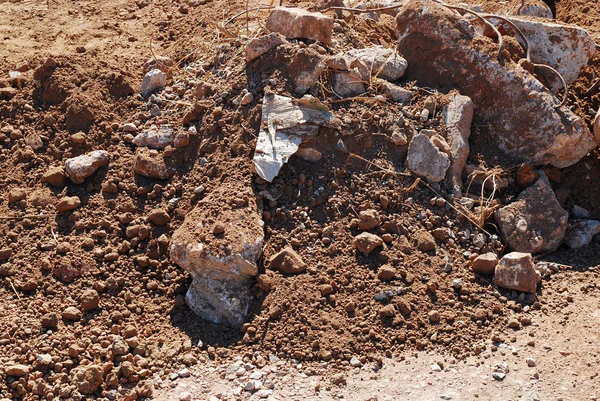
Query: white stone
point(426, 160)
point(458, 115)
point(153, 80)
point(155, 137)
point(581, 234)
point(80, 167)
point(347, 83)
point(185, 396)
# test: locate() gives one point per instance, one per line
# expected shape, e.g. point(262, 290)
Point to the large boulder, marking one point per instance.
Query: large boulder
point(535, 222)
point(525, 125)
point(219, 244)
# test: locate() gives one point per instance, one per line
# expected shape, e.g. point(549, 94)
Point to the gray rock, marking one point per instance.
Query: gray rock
point(426, 160)
point(579, 213)
point(581, 234)
point(535, 222)
point(382, 63)
point(220, 290)
point(516, 271)
point(443, 50)
point(458, 115)
point(394, 92)
point(298, 23)
point(80, 167)
point(153, 80)
point(347, 83)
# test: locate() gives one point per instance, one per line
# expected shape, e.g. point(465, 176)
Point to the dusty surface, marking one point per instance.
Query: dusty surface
point(108, 244)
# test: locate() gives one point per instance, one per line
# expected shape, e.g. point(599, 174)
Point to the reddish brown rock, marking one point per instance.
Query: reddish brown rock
point(516, 271)
point(368, 219)
point(367, 242)
point(55, 176)
point(297, 23)
point(526, 175)
point(160, 217)
point(87, 378)
point(90, 300)
point(68, 203)
point(287, 261)
point(485, 264)
point(535, 222)
point(16, 195)
point(151, 164)
point(259, 46)
point(424, 240)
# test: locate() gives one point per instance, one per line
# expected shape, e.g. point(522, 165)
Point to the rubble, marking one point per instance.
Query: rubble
point(153, 80)
point(221, 271)
point(527, 125)
point(516, 271)
point(566, 48)
point(394, 92)
point(581, 234)
point(535, 222)
point(381, 62)
point(426, 160)
point(80, 167)
point(347, 83)
point(297, 23)
point(485, 264)
point(261, 45)
point(151, 164)
point(458, 115)
point(287, 261)
point(155, 137)
point(285, 124)
point(367, 242)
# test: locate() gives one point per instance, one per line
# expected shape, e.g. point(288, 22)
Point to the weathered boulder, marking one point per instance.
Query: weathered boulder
point(426, 160)
point(347, 83)
point(566, 48)
point(535, 222)
point(382, 63)
point(443, 51)
point(220, 256)
point(485, 264)
point(81, 167)
point(516, 271)
point(581, 234)
point(259, 46)
point(458, 115)
point(287, 261)
point(297, 23)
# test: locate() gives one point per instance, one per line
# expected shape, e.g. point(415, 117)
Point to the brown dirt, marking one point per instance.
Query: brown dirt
point(109, 244)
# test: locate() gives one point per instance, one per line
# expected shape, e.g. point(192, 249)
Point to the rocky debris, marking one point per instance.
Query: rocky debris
point(566, 48)
point(16, 370)
point(527, 126)
point(159, 217)
point(87, 378)
point(55, 176)
point(367, 242)
point(220, 290)
point(581, 234)
point(155, 137)
point(165, 64)
point(90, 299)
point(261, 45)
point(287, 261)
point(5, 253)
point(394, 92)
point(516, 271)
point(297, 23)
point(16, 195)
point(150, 163)
point(458, 114)
point(68, 203)
point(579, 213)
point(535, 222)
point(50, 321)
point(381, 62)
point(500, 371)
point(80, 167)
point(485, 264)
point(424, 241)
point(153, 80)
point(285, 124)
point(347, 83)
point(369, 219)
point(386, 273)
point(426, 160)
point(71, 313)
